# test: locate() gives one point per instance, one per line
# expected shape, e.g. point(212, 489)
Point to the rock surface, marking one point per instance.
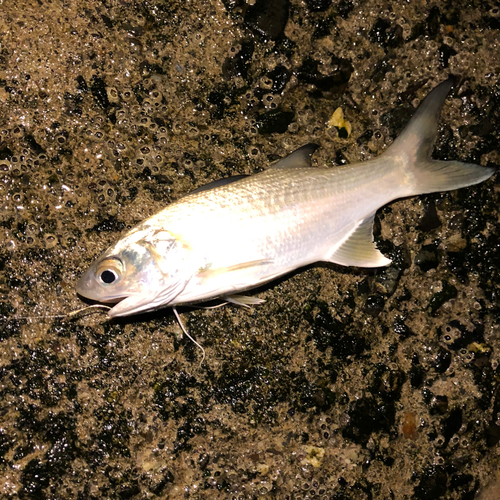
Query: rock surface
point(346, 383)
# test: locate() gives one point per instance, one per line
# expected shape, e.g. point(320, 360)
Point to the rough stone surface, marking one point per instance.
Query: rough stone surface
point(346, 383)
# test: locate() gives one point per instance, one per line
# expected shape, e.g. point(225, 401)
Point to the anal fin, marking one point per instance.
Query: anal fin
point(359, 249)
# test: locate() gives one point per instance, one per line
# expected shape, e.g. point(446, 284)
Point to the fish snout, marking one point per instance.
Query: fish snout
point(86, 285)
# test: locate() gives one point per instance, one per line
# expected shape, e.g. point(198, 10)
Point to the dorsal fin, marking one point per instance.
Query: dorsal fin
point(218, 183)
point(299, 158)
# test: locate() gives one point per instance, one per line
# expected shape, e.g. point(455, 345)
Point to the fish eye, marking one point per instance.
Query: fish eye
point(110, 270)
point(108, 276)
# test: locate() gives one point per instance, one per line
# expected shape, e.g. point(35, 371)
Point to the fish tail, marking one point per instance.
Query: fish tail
point(433, 176)
point(414, 146)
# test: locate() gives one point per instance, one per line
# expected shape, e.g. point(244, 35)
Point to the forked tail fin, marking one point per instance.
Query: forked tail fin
point(414, 147)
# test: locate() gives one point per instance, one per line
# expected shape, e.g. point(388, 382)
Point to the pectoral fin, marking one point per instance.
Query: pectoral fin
point(213, 273)
point(359, 249)
point(243, 300)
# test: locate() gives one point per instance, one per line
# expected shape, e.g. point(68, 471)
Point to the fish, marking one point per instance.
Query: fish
point(239, 233)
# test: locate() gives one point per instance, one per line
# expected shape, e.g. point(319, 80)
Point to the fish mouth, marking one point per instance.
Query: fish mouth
point(93, 297)
point(106, 301)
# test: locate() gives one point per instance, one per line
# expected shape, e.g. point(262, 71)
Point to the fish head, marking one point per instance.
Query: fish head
point(142, 272)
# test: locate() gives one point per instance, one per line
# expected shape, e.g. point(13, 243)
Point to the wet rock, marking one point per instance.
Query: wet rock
point(344, 8)
point(109, 224)
point(397, 119)
point(427, 258)
point(442, 360)
point(275, 121)
point(329, 332)
point(374, 304)
point(463, 483)
point(399, 255)
point(386, 35)
point(5, 152)
point(340, 158)
point(280, 77)
point(318, 5)
point(35, 478)
point(312, 395)
point(81, 84)
point(336, 82)
point(447, 293)
point(32, 144)
point(386, 382)
point(389, 278)
point(445, 52)
point(268, 19)
point(492, 432)
point(451, 424)
point(108, 22)
point(367, 415)
point(218, 99)
point(98, 89)
point(399, 326)
point(365, 137)
point(326, 26)
point(417, 373)
point(363, 287)
point(381, 68)
point(433, 21)
point(438, 405)
point(163, 179)
point(492, 21)
point(429, 27)
point(126, 491)
point(158, 485)
point(237, 64)
point(430, 220)
point(457, 263)
point(432, 484)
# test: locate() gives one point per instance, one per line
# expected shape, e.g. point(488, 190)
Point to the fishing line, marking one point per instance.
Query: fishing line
point(96, 308)
point(78, 313)
point(187, 334)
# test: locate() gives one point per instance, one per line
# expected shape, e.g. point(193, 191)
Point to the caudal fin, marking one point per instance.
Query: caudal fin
point(432, 176)
point(414, 146)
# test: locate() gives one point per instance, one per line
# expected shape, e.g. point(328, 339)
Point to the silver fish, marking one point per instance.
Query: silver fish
point(220, 240)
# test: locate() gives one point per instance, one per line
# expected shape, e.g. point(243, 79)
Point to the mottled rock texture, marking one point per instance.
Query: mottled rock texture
point(346, 383)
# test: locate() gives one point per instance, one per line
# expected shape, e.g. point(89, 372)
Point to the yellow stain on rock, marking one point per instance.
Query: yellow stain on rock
point(337, 120)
